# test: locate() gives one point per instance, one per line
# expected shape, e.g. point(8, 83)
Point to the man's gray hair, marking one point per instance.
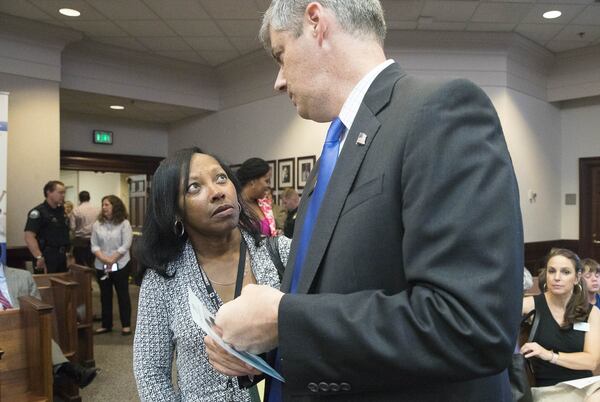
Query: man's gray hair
point(361, 17)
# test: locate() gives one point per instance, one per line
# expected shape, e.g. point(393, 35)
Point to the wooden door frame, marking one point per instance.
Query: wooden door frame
point(585, 203)
point(117, 163)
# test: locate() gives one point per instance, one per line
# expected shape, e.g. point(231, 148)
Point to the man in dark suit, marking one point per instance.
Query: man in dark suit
point(405, 280)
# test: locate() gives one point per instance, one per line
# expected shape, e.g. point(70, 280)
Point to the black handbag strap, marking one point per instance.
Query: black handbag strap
point(534, 326)
point(532, 332)
point(272, 244)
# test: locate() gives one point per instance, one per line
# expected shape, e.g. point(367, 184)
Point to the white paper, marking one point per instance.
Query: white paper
point(582, 382)
point(205, 320)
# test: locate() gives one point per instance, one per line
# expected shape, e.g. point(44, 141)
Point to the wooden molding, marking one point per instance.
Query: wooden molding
point(75, 160)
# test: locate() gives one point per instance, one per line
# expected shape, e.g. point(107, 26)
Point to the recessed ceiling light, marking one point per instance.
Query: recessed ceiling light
point(69, 12)
point(117, 107)
point(550, 15)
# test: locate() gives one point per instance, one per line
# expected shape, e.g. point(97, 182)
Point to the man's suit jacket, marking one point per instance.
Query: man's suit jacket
point(411, 287)
point(20, 283)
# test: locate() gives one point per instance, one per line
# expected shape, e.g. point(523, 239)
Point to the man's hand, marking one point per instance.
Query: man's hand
point(40, 265)
point(249, 323)
point(226, 363)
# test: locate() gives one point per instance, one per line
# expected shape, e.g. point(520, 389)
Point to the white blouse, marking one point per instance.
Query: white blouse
point(110, 239)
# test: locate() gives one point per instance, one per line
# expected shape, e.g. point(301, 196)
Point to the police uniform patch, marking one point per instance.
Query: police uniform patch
point(34, 214)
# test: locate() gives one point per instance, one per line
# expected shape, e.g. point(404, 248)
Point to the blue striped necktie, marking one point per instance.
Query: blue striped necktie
point(329, 156)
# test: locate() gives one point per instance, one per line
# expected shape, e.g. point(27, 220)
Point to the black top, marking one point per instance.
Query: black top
point(49, 224)
point(290, 221)
point(552, 337)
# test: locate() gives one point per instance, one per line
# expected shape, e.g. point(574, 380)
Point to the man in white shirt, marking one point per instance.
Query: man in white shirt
point(82, 219)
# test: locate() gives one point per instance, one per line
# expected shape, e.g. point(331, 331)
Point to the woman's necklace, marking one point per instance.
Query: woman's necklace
point(226, 283)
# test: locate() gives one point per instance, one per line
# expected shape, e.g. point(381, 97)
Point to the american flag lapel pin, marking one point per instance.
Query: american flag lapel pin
point(362, 139)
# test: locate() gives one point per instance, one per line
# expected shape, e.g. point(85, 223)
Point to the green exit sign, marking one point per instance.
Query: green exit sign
point(103, 137)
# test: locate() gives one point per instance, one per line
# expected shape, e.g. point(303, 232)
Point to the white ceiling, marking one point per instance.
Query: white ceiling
point(212, 32)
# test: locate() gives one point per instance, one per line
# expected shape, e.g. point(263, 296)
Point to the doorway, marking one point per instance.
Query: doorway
point(589, 210)
point(135, 175)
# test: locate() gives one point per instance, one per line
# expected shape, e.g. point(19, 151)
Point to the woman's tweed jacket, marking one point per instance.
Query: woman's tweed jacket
point(165, 331)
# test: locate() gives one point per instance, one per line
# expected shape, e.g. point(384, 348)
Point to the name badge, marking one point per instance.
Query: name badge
point(581, 326)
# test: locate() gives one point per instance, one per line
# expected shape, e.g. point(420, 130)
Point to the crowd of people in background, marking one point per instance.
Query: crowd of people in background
point(99, 238)
point(57, 233)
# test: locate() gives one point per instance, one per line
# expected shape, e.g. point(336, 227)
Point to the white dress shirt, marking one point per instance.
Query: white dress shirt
point(352, 104)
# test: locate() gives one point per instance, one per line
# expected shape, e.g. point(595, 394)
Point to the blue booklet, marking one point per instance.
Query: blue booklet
point(205, 320)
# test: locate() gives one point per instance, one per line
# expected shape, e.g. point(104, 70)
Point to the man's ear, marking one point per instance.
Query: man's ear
point(316, 20)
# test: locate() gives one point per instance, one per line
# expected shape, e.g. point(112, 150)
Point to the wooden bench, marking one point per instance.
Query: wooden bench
point(82, 303)
point(61, 295)
point(83, 306)
point(26, 362)
point(71, 295)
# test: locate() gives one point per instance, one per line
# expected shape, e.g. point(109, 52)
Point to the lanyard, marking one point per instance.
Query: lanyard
point(214, 298)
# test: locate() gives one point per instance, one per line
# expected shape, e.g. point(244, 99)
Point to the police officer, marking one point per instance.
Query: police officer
point(47, 231)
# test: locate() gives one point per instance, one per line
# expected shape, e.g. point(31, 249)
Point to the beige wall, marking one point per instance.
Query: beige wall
point(33, 146)
point(130, 137)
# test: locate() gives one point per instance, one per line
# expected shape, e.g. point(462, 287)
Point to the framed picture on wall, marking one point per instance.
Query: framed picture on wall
point(277, 197)
point(304, 166)
point(273, 166)
point(285, 173)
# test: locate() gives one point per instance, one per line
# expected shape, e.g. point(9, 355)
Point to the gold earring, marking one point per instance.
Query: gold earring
point(545, 287)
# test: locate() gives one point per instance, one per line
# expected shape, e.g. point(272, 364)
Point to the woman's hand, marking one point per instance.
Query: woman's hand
point(226, 363)
point(103, 258)
point(533, 349)
point(114, 258)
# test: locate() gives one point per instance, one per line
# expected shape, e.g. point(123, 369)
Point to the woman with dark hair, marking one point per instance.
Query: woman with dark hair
point(198, 236)
point(255, 178)
point(111, 241)
point(566, 345)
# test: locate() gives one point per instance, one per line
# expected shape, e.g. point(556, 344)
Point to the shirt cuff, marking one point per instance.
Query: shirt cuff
point(95, 248)
point(122, 250)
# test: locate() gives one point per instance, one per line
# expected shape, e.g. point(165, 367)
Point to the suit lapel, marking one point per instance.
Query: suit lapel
point(344, 174)
point(13, 287)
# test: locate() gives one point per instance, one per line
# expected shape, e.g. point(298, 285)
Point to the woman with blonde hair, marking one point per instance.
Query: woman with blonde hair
point(591, 276)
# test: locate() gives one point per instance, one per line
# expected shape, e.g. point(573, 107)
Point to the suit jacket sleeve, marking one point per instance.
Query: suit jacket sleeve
point(461, 240)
